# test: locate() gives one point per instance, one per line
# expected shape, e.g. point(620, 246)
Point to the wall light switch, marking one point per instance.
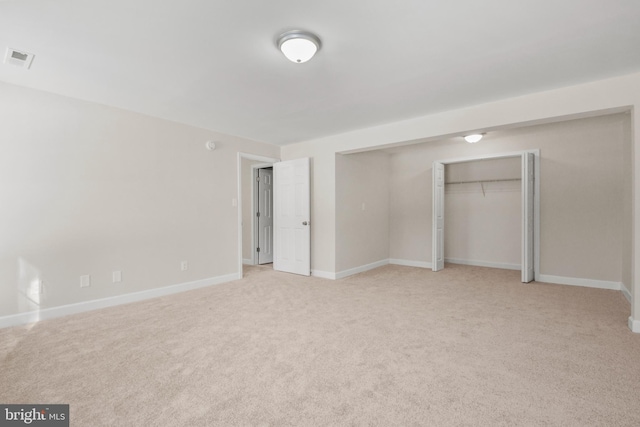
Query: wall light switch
point(184, 265)
point(36, 287)
point(117, 276)
point(234, 203)
point(363, 206)
point(85, 281)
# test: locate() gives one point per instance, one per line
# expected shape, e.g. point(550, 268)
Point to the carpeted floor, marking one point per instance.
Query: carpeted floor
point(392, 346)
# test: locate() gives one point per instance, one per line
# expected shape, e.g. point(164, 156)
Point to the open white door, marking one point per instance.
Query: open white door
point(292, 236)
point(437, 234)
point(528, 178)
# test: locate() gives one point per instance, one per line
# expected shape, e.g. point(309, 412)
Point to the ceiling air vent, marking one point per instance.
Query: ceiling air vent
point(18, 58)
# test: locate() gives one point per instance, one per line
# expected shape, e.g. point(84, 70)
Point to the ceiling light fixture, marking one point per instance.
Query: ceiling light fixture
point(473, 138)
point(298, 46)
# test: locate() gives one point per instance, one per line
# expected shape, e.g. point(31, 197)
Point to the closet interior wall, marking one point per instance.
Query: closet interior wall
point(483, 213)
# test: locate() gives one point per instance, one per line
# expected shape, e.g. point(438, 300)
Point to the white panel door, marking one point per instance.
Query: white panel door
point(437, 234)
point(265, 216)
point(528, 178)
point(292, 249)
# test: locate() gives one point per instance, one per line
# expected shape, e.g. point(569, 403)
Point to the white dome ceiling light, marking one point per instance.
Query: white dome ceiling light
point(473, 138)
point(298, 46)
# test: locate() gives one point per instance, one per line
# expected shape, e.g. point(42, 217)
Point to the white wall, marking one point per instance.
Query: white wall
point(362, 209)
point(89, 189)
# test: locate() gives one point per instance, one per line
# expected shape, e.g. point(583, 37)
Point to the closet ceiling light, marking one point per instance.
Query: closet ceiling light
point(473, 138)
point(298, 46)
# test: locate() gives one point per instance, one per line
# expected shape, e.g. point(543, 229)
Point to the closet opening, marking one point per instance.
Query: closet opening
point(492, 212)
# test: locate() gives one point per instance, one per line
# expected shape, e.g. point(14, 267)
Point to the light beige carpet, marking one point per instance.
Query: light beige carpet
point(393, 346)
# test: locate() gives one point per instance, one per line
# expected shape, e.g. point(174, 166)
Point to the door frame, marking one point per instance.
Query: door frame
point(238, 201)
point(536, 202)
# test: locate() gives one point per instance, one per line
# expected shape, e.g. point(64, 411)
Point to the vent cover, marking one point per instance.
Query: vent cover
point(18, 58)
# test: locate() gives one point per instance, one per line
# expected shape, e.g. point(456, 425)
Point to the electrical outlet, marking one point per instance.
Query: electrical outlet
point(117, 276)
point(184, 265)
point(85, 281)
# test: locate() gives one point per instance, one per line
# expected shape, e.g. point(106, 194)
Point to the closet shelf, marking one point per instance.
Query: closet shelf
point(483, 181)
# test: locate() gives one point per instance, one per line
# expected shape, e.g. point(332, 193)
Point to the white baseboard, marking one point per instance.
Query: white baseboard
point(323, 274)
point(572, 281)
point(625, 292)
point(502, 265)
point(634, 325)
point(410, 263)
point(64, 310)
point(361, 269)
point(247, 261)
point(367, 267)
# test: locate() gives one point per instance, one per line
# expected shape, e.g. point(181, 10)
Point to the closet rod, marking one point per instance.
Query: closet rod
point(483, 180)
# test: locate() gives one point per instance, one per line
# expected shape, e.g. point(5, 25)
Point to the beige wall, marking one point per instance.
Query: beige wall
point(582, 201)
point(362, 209)
point(89, 189)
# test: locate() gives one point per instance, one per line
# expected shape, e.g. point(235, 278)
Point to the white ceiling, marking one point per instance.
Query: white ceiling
point(214, 64)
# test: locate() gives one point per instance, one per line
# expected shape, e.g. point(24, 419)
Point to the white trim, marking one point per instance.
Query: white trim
point(241, 156)
point(323, 274)
point(573, 281)
point(410, 263)
point(625, 292)
point(247, 261)
point(361, 269)
point(484, 263)
point(536, 213)
point(65, 310)
point(634, 325)
point(367, 267)
point(261, 165)
point(489, 156)
point(254, 227)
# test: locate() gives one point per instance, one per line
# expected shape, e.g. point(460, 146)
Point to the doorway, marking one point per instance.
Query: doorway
point(290, 235)
point(530, 213)
point(246, 165)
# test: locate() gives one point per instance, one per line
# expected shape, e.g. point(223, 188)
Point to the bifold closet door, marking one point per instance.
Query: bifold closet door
point(437, 234)
point(528, 179)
